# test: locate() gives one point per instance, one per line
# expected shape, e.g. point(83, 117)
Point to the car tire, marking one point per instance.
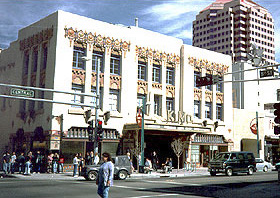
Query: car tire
point(122, 175)
point(265, 169)
point(229, 172)
point(250, 171)
point(92, 175)
point(213, 173)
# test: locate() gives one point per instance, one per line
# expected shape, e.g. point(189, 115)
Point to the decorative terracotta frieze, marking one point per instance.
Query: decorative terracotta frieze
point(197, 94)
point(92, 39)
point(142, 87)
point(199, 64)
point(93, 79)
point(78, 76)
point(156, 55)
point(170, 91)
point(157, 86)
point(115, 82)
point(36, 39)
point(208, 96)
point(220, 98)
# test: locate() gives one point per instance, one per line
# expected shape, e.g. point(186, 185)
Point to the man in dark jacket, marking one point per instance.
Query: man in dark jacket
point(38, 162)
point(154, 160)
point(20, 161)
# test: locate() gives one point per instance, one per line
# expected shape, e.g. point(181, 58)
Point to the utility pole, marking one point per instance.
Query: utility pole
point(61, 130)
point(96, 142)
point(142, 132)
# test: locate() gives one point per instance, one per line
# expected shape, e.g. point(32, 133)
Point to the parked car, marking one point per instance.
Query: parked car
point(232, 162)
point(122, 169)
point(262, 165)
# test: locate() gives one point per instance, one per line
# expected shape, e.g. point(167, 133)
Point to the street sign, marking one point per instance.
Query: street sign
point(266, 73)
point(22, 92)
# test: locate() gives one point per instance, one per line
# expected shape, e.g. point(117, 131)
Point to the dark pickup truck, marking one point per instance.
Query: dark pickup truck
point(122, 169)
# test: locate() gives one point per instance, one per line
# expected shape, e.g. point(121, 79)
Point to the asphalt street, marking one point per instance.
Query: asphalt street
point(258, 185)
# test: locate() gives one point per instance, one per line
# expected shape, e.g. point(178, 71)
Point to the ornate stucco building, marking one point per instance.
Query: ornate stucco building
point(61, 52)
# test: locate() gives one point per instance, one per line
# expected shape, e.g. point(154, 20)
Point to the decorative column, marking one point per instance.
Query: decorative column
point(163, 82)
point(150, 95)
point(106, 86)
point(88, 68)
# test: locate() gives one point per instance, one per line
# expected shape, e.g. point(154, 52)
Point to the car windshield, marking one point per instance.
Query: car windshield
point(222, 156)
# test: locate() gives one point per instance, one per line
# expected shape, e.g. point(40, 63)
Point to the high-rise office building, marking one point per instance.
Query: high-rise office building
point(230, 26)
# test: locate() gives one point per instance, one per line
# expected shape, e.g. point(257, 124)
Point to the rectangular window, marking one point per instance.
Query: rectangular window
point(44, 57)
point(219, 111)
point(76, 98)
point(170, 104)
point(208, 110)
point(157, 105)
point(140, 101)
point(115, 64)
point(219, 86)
point(25, 63)
point(78, 53)
point(142, 71)
point(209, 87)
point(114, 100)
point(196, 109)
point(97, 56)
point(156, 73)
point(196, 75)
point(35, 61)
point(170, 76)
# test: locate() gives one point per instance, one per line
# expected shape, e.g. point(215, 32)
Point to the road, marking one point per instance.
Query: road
point(257, 185)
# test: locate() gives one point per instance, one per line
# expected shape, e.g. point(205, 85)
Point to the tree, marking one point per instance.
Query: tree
point(136, 151)
point(178, 147)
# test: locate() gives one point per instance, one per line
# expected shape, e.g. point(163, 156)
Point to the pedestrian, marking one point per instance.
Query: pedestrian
point(87, 159)
point(13, 162)
point(31, 160)
point(28, 164)
point(148, 166)
point(6, 161)
point(128, 154)
point(167, 166)
point(49, 161)
point(21, 160)
point(96, 159)
point(81, 163)
point(55, 162)
point(91, 158)
point(61, 163)
point(75, 164)
point(105, 176)
point(154, 160)
point(131, 165)
point(38, 162)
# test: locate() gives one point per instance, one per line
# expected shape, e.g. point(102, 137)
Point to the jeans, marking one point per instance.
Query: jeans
point(61, 167)
point(103, 191)
point(21, 168)
point(75, 169)
point(38, 167)
point(5, 167)
point(55, 167)
point(27, 168)
point(13, 167)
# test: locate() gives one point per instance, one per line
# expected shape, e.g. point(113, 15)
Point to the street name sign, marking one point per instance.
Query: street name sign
point(22, 92)
point(266, 73)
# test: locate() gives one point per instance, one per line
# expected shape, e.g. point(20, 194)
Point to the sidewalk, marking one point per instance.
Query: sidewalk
point(69, 175)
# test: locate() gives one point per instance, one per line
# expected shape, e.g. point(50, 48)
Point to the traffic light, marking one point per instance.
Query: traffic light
point(277, 113)
point(276, 130)
point(90, 131)
point(99, 129)
point(203, 81)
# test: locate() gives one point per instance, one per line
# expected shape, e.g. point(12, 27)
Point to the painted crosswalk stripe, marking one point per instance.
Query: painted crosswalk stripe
point(162, 195)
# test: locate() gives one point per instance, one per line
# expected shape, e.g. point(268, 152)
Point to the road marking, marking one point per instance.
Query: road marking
point(164, 195)
point(129, 187)
point(175, 183)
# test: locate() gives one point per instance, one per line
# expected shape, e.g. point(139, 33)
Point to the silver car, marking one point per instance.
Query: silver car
point(262, 165)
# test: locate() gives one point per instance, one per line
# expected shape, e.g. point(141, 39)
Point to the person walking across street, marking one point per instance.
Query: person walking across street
point(13, 162)
point(20, 161)
point(105, 176)
point(75, 164)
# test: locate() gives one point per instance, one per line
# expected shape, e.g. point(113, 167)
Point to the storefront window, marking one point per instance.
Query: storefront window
point(195, 153)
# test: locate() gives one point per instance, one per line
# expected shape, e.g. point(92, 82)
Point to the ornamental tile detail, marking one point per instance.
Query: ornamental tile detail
point(142, 87)
point(199, 64)
point(170, 91)
point(36, 39)
point(220, 98)
point(157, 86)
point(93, 39)
point(156, 55)
point(208, 96)
point(78, 76)
point(115, 82)
point(197, 94)
point(93, 79)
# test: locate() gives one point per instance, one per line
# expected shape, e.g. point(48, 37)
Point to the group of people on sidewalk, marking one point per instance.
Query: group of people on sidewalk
point(79, 161)
point(153, 164)
point(32, 163)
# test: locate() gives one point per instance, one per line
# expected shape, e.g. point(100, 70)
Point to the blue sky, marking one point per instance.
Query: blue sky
point(170, 17)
